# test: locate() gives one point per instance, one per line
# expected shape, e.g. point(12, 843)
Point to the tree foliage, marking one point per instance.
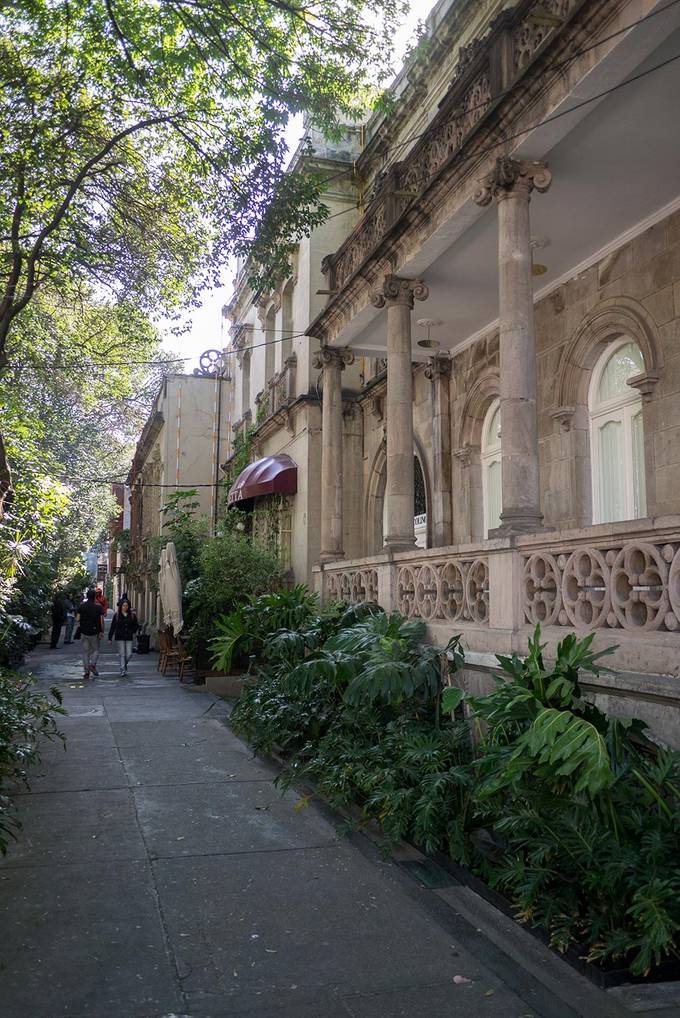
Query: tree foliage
point(71, 402)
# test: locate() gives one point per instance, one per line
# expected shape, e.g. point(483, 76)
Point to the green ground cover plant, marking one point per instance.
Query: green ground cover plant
point(26, 716)
point(573, 815)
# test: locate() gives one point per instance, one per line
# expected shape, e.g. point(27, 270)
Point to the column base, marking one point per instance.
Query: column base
point(330, 556)
point(399, 543)
point(519, 521)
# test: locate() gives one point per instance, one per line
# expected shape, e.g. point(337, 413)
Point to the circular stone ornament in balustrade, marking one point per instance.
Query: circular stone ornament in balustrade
point(345, 586)
point(452, 590)
point(585, 589)
point(477, 590)
point(542, 589)
point(639, 587)
point(427, 592)
point(671, 554)
point(406, 587)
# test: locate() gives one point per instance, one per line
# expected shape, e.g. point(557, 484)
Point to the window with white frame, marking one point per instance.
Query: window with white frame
point(617, 435)
point(491, 467)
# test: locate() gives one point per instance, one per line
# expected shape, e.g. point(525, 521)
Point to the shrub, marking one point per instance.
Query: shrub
point(246, 629)
point(581, 810)
point(232, 569)
point(25, 716)
point(573, 815)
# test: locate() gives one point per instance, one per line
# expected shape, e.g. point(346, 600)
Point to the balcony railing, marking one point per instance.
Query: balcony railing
point(618, 576)
point(626, 580)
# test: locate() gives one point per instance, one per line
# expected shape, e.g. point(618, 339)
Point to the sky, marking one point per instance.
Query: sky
point(206, 329)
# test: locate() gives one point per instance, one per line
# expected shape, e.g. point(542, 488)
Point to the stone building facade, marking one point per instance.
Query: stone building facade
point(184, 440)
point(504, 320)
point(475, 364)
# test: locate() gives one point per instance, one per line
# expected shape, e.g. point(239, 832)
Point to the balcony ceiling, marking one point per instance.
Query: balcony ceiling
point(615, 164)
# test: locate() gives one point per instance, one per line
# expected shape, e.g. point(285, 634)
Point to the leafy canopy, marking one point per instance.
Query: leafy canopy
point(141, 143)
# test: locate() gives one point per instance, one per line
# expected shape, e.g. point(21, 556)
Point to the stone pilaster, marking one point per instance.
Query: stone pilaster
point(438, 371)
point(511, 184)
point(332, 361)
point(397, 296)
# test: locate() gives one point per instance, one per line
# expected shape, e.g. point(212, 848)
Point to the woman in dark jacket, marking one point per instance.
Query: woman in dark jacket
point(123, 627)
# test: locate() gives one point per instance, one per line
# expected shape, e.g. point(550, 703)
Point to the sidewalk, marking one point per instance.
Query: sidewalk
point(159, 874)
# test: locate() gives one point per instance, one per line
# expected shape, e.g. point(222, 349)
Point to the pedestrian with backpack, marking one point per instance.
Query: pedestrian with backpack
point(90, 619)
point(123, 627)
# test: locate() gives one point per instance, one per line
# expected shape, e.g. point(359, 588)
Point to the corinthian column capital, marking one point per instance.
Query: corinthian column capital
point(509, 175)
point(396, 290)
point(328, 356)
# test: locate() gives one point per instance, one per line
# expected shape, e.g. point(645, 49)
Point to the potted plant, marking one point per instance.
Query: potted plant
point(143, 639)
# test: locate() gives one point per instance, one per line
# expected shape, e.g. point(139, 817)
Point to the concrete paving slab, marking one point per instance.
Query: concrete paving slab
point(326, 1007)
point(76, 827)
point(84, 941)
point(152, 710)
point(264, 930)
point(170, 733)
point(78, 730)
point(210, 760)
point(71, 771)
point(226, 818)
point(468, 1000)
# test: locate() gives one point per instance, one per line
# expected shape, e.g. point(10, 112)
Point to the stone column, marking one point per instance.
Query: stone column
point(398, 296)
point(511, 184)
point(332, 361)
point(441, 525)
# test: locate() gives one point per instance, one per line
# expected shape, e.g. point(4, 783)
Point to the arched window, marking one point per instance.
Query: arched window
point(617, 435)
point(491, 467)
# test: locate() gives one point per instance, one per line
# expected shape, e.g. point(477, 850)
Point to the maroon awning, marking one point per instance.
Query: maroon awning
point(273, 475)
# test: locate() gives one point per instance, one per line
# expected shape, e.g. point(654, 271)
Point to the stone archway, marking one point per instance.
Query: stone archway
point(607, 322)
point(374, 507)
point(481, 394)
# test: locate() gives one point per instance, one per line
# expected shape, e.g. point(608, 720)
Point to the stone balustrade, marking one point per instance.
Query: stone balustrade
point(438, 585)
point(618, 576)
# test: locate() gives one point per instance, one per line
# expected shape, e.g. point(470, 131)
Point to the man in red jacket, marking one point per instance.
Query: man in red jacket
point(101, 600)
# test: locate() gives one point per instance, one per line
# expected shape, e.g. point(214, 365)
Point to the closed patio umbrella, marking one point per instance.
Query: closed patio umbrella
point(170, 585)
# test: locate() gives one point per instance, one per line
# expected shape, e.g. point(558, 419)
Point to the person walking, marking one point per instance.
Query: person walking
point(102, 600)
point(90, 619)
point(123, 627)
point(70, 620)
point(58, 619)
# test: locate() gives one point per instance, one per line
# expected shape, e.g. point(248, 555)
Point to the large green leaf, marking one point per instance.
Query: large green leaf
point(565, 745)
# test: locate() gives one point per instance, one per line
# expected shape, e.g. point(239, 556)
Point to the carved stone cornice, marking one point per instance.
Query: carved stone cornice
point(564, 415)
point(329, 356)
point(464, 455)
point(510, 175)
point(645, 384)
point(399, 291)
point(436, 178)
point(438, 367)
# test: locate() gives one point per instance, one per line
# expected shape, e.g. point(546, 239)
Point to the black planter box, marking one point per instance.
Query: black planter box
point(143, 643)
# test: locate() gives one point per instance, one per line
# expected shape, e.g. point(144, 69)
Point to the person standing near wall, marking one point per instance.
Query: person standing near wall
point(123, 628)
point(90, 619)
point(58, 619)
point(70, 620)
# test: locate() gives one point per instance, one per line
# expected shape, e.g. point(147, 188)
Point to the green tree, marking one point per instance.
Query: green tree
point(72, 401)
point(141, 143)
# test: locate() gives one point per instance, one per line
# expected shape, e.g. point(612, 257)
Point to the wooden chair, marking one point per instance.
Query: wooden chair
point(168, 654)
point(184, 657)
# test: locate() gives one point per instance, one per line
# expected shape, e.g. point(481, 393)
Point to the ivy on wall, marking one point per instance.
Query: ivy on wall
point(271, 526)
